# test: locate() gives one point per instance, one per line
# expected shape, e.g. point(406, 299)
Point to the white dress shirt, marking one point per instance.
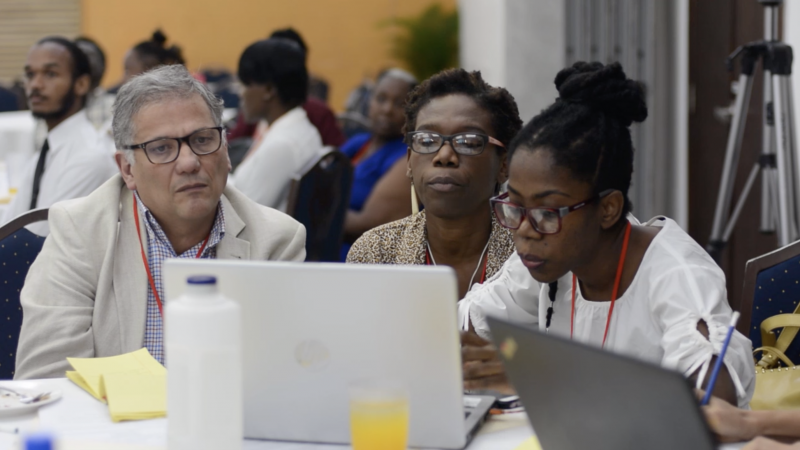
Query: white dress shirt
point(289, 144)
point(676, 286)
point(76, 164)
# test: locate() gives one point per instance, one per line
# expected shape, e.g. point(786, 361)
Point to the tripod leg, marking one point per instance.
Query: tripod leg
point(781, 144)
point(732, 151)
point(794, 170)
point(768, 222)
point(737, 210)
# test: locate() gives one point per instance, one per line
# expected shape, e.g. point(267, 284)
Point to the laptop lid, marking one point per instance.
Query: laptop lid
point(579, 397)
point(311, 329)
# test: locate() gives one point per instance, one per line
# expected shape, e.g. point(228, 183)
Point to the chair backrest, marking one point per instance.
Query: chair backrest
point(319, 199)
point(771, 286)
point(18, 248)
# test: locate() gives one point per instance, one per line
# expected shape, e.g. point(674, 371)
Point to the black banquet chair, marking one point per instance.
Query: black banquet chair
point(318, 198)
point(18, 249)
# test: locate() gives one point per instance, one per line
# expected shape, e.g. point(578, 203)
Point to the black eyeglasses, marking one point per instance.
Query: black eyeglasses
point(543, 220)
point(426, 142)
point(166, 150)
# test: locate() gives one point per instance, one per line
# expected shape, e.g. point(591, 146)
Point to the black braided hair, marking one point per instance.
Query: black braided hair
point(496, 100)
point(587, 130)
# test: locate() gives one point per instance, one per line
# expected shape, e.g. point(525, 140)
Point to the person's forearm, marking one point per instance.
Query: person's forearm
point(775, 423)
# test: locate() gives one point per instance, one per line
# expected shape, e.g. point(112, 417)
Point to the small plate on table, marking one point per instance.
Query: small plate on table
point(10, 404)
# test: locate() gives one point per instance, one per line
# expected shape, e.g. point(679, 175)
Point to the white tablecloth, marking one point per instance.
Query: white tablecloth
point(81, 422)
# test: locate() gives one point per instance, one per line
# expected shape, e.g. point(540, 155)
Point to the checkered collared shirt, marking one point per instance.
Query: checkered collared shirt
point(158, 249)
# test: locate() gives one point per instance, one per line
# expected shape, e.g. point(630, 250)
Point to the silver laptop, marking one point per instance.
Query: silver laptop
point(310, 330)
point(579, 397)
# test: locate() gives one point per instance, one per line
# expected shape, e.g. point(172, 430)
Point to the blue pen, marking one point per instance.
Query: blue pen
point(720, 358)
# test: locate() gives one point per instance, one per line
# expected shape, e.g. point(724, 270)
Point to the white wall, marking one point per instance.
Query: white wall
point(482, 25)
point(791, 35)
point(516, 44)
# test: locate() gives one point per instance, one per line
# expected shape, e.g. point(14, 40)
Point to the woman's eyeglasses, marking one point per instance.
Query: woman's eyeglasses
point(471, 144)
point(166, 150)
point(543, 220)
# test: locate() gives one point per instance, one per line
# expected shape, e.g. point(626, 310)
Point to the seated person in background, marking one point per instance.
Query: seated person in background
point(380, 192)
point(98, 100)
point(650, 292)
point(275, 80)
point(319, 114)
point(732, 424)
point(96, 289)
point(149, 54)
point(72, 161)
point(459, 128)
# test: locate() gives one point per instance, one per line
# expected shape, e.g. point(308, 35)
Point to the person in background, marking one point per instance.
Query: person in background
point(149, 54)
point(458, 130)
point(72, 161)
point(380, 192)
point(275, 79)
point(95, 289)
point(646, 291)
point(319, 114)
point(99, 102)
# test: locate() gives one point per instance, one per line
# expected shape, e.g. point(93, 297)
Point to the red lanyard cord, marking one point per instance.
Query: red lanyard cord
point(147, 266)
point(614, 292)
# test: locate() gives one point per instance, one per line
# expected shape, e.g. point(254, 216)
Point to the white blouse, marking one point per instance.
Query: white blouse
point(676, 286)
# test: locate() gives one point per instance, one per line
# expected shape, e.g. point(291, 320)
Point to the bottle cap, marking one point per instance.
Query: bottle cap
point(202, 279)
point(39, 442)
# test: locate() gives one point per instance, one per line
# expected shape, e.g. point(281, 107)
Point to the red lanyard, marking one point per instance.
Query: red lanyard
point(483, 274)
point(144, 258)
point(613, 292)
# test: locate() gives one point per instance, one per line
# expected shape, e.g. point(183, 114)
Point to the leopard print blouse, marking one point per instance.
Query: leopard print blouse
point(403, 242)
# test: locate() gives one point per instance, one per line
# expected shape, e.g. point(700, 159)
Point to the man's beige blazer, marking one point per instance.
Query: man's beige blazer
point(86, 293)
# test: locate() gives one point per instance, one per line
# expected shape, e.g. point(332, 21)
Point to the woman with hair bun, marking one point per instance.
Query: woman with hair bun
point(645, 290)
point(152, 53)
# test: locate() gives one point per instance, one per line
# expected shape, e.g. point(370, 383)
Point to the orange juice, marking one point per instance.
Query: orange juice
point(378, 415)
point(379, 424)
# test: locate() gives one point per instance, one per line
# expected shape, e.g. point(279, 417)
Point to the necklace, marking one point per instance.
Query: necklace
point(430, 261)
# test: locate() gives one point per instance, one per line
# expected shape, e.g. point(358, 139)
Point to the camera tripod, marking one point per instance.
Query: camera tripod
point(779, 164)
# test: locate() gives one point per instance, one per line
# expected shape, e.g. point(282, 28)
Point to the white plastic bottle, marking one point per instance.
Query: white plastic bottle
point(203, 349)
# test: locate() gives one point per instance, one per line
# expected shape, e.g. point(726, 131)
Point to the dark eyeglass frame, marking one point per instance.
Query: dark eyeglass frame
point(449, 139)
point(180, 141)
point(527, 212)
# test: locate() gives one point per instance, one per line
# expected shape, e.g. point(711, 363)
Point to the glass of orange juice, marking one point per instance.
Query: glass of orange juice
point(378, 416)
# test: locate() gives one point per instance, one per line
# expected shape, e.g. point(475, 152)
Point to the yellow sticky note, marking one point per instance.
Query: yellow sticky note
point(92, 370)
point(134, 396)
point(530, 444)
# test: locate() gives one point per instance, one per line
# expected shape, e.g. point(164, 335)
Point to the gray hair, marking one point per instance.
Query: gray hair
point(161, 83)
point(398, 74)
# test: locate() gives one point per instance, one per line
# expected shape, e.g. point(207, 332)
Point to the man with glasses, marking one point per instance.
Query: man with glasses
point(96, 288)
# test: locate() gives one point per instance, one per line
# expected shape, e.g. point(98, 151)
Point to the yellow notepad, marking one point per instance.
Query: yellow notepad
point(136, 396)
point(133, 384)
point(530, 444)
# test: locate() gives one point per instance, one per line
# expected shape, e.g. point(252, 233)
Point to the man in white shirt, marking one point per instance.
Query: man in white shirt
point(71, 163)
point(275, 80)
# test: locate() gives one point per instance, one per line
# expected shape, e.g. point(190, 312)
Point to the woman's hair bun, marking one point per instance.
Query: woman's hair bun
point(159, 38)
point(605, 88)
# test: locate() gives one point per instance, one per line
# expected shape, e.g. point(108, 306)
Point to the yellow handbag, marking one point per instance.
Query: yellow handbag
point(777, 387)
